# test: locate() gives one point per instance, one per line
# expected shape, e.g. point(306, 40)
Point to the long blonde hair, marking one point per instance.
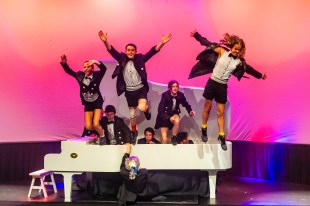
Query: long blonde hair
point(231, 40)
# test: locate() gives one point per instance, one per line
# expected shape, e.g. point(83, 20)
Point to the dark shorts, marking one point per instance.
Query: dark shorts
point(215, 90)
point(166, 123)
point(132, 97)
point(91, 106)
point(160, 122)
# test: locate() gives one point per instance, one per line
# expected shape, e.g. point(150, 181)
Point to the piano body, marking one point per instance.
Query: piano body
point(78, 156)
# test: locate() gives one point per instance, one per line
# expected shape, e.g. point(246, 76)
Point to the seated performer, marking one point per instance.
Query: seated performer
point(182, 138)
point(169, 110)
point(132, 77)
point(148, 137)
point(116, 132)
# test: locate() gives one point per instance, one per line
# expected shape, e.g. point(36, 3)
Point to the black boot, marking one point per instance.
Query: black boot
point(147, 115)
point(222, 141)
point(174, 140)
point(204, 135)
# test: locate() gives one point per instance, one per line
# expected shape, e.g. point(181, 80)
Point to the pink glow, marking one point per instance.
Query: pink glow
point(39, 101)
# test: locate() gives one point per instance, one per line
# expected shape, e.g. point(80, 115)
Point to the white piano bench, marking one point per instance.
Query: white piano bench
point(41, 174)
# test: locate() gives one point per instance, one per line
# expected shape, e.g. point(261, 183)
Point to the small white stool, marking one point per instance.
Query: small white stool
point(42, 174)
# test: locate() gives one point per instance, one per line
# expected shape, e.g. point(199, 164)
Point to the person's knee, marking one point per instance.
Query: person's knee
point(220, 114)
point(142, 107)
point(176, 121)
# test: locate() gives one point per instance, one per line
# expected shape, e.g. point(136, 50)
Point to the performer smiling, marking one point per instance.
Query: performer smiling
point(221, 62)
point(132, 77)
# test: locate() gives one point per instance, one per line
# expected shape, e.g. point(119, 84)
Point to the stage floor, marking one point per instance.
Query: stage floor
point(230, 191)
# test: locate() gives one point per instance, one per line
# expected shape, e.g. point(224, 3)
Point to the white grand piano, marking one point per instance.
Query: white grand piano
point(78, 156)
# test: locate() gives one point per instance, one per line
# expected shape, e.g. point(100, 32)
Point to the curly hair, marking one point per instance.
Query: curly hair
point(231, 40)
point(132, 159)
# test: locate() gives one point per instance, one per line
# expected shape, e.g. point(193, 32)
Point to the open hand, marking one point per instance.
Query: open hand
point(63, 59)
point(103, 36)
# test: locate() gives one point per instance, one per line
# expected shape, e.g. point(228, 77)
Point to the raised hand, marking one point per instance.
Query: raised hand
point(166, 38)
point(193, 33)
point(92, 62)
point(63, 59)
point(264, 76)
point(103, 36)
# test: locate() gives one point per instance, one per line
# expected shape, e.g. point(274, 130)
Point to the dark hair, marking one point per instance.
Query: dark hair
point(131, 44)
point(172, 82)
point(149, 129)
point(181, 136)
point(110, 108)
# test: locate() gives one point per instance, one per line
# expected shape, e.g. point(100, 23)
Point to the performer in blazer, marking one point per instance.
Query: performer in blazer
point(89, 82)
point(221, 60)
point(148, 137)
point(116, 132)
point(132, 77)
point(169, 110)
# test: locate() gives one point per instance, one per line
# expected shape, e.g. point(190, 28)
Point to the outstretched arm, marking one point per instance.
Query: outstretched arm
point(65, 66)
point(164, 40)
point(104, 39)
point(205, 42)
point(127, 148)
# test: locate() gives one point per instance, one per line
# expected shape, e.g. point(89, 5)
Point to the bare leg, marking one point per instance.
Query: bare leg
point(133, 123)
point(164, 135)
point(206, 111)
point(133, 118)
point(175, 122)
point(88, 120)
point(205, 117)
point(220, 116)
point(96, 124)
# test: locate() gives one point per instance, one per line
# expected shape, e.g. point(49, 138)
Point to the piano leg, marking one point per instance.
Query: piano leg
point(68, 184)
point(212, 182)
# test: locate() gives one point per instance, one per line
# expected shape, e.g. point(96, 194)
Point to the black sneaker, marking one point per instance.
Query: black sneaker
point(204, 135)
point(147, 115)
point(174, 140)
point(222, 141)
point(102, 141)
point(134, 136)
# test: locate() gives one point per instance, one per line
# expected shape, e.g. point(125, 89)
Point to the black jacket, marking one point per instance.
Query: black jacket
point(143, 141)
point(93, 87)
point(121, 131)
point(165, 107)
point(131, 188)
point(139, 63)
point(207, 60)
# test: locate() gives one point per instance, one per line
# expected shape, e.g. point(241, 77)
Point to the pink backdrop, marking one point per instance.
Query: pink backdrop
point(39, 102)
